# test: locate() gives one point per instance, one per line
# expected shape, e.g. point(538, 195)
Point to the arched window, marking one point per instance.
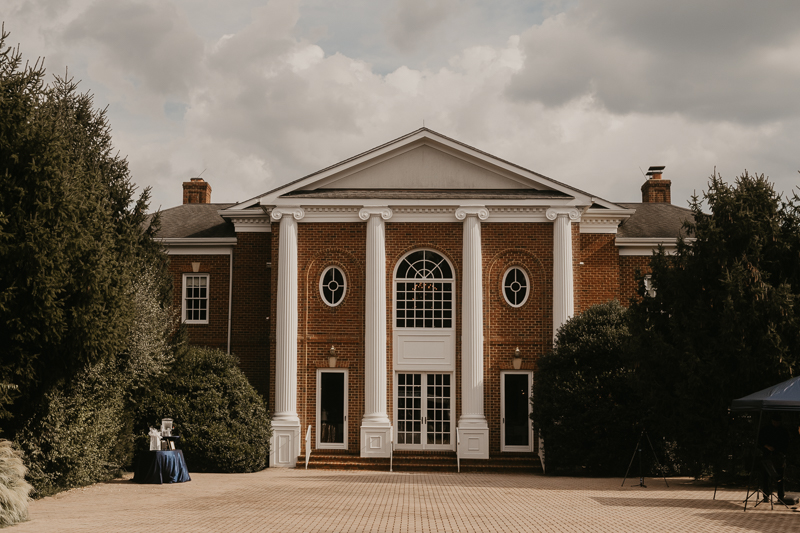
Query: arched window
point(332, 286)
point(424, 291)
point(515, 286)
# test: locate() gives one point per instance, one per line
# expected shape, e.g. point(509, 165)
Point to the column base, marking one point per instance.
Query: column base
point(285, 443)
point(376, 441)
point(474, 443)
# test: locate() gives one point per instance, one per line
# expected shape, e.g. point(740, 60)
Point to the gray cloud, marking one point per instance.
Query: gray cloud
point(719, 59)
point(148, 41)
point(413, 20)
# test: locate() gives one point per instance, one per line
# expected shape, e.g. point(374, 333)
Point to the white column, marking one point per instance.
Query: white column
point(472, 424)
point(285, 445)
point(375, 426)
point(563, 288)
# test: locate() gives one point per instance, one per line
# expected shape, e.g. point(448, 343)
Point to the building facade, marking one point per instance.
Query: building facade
point(400, 299)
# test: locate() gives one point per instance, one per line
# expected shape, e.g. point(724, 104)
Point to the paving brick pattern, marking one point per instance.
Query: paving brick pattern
point(300, 500)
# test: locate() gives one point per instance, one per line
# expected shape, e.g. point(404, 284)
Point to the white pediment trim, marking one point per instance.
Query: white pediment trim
point(521, 177)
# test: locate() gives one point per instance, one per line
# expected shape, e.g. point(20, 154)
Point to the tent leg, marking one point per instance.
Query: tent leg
point(753, 465)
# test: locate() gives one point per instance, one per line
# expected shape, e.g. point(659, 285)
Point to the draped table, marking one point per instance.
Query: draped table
point(161, 467)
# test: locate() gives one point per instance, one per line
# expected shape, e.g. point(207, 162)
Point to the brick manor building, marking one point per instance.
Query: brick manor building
point(405, 292)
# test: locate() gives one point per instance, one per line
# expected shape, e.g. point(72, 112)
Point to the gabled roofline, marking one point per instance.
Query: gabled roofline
point(421, 134)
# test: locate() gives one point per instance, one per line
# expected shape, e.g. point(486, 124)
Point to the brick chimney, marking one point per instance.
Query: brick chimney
point(656, 189)
point(196, 191)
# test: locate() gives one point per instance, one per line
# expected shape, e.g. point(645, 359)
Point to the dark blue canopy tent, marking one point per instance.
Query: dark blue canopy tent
point(781, 397)
point(784, 396)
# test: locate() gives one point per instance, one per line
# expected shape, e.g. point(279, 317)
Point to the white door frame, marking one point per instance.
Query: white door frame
point(424, 409)
point(503, 447)
point(328, 445)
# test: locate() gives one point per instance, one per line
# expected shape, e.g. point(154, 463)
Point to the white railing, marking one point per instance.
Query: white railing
point(391, 447)
point(458, 449)
point(308, 445)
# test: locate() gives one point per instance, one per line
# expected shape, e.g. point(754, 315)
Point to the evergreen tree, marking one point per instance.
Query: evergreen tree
point(722, 322)
point(73, 237)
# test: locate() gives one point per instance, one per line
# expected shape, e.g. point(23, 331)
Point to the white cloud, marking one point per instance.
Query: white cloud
point(586, 95)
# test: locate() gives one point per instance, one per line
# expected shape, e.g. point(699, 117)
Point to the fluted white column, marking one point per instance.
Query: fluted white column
point(472, 421)
point(286, 425)
point(375, 425)
point(563, 288)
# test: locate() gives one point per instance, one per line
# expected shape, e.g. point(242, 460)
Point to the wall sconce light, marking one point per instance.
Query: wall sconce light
point(517, 359)
point(332, 357)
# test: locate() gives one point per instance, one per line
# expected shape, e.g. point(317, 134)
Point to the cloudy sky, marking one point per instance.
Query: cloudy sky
point(258, 93)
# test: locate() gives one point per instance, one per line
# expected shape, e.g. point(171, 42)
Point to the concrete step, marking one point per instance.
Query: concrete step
point(421, 461)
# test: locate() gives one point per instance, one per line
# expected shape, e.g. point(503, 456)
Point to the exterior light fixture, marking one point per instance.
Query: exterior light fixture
point(332, 357)
point(517, 359)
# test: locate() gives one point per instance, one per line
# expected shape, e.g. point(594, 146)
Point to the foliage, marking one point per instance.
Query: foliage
point(71, 235)
point(79, 433)
point(14, 489)
point(84, 294)
point(722, 322)
point(222, 420)
point(583, 401)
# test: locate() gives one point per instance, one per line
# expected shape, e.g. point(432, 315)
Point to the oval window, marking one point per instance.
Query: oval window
point(332, 286)
point(515, 286)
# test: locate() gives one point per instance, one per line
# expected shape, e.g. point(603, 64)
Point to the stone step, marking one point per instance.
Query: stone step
point(421, 461)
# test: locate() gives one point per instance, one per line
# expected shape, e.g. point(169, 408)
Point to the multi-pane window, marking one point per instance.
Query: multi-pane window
point(424, 291)
point(515, 286)
point(195, 298)
point(332, 286)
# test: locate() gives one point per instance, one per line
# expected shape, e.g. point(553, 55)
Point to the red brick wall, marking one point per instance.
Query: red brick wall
point(597, 279)
point(628, 267)
point(215, 333)
point(251, 312)
point(530, 327)
point(321, 326)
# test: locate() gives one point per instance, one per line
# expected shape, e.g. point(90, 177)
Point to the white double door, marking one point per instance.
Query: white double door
point(423, 411)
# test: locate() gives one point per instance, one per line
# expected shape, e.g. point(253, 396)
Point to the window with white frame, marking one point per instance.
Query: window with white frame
point(195, 298)
point(332, 286)
point(424, 291)
point(516, 286)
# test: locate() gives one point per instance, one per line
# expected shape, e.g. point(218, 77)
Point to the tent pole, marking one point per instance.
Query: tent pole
point(753, 465)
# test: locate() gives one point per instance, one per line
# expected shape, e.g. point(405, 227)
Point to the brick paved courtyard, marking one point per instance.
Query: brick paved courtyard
point(314, 500)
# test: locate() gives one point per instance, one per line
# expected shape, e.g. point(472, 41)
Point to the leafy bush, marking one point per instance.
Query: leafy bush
point(14, 489)
point(583, 400)
point(223, 422)
point(80, 434)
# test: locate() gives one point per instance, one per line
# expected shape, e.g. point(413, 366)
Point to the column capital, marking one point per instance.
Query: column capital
point(297, 212)
point(465, 211)
point(555, 212)
point(371, 210)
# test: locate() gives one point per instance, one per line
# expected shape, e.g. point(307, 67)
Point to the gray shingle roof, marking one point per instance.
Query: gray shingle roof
point(427, 194)
point(195, 220)
point(654, 220)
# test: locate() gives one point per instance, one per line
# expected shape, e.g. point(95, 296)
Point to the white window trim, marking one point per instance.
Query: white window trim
point(527, 282)
point(395, 280)
point(503, 447)
point(183, 297)
point(328, 445)
point(322, 295)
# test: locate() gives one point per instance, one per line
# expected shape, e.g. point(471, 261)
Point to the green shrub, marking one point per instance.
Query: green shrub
point(222, 420)
point(583, 399)
point(14, 489)
point(80, 434)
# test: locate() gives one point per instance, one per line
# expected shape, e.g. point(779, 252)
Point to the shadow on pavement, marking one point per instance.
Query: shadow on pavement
point(682, 503)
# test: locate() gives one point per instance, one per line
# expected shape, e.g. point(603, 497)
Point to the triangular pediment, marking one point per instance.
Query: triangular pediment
point(423, 161)
point(423, 167)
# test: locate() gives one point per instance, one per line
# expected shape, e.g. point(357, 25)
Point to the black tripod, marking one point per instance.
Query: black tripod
point(638, 451)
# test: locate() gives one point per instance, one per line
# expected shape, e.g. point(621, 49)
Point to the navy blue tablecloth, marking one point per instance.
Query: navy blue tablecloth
point(161, 467)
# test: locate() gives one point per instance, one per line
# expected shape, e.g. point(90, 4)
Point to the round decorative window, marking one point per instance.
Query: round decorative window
point(515, 286)
point(332, 286)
